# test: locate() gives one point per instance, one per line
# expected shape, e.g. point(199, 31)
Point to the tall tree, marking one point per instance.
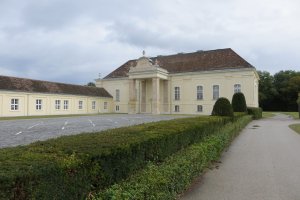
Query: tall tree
point(267, 91)
point(285, 83)
point(91, 84)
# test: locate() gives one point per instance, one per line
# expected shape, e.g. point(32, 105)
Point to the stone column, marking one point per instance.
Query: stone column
point(143, 96)
point(166, 96)
point(132, 97)
point(155, 96)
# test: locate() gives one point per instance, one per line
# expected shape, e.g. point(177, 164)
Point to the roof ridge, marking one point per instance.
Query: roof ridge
point(224, 58)
point(45, 81)
point(185, 53)
point(32, 85)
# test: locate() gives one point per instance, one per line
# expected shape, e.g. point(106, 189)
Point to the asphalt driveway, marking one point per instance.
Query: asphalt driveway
point(263, 163)
point(20, 132)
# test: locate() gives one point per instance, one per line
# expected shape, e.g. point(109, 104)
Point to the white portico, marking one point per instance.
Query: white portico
point(148, 88)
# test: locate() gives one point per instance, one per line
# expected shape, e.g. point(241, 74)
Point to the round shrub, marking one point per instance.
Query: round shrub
point(239, 102)
point(222, 107)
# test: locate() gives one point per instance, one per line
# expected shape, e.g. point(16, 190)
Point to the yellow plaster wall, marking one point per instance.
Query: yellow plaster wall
point(111, 86)
point(188, 83)
point(27, 104)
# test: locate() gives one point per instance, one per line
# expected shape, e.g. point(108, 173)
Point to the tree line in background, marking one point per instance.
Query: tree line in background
point(279, 92)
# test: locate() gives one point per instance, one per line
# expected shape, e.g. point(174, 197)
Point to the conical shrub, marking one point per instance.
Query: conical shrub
point(239, 102)
point(222, 107)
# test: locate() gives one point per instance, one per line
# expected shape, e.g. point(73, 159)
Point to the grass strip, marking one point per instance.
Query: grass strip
point(295, 127)
point(170, 178)
point(295, 115)
point(268, 114)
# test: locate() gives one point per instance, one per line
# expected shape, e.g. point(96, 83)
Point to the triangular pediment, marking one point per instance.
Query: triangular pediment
point(146, 68)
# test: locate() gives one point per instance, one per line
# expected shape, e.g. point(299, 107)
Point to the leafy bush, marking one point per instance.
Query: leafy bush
point(255, 112)
point(239, 102)
point(71, 166)
point(222, 107)
point(172, 177)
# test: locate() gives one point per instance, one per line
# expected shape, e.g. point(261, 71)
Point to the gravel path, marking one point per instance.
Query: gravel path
point(263, 163)
point(20, 132)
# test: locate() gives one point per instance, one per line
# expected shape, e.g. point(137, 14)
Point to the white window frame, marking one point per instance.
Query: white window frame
point(66, 104)
point(216, 93)
point(237, 88)
point(177, 93)
point(176, 108)
point(117, 95)
point(14, 104)
point(57, 104)
point(199, 108)
point(200, 92)
point(38, 104)
point(105, 105)
point(80, 105)
point(93, 105)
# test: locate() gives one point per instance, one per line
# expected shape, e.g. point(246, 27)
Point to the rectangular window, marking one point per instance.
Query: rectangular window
point(215, 92)
point(117, 108)
point(117, 95)
point(80, 105)
point(57, 104)
point(199, 92)
point(237, 88)
point(177, 108)
point(66, 104)
point(38, 104)
point(14, 104)
point(199, 108)
point(105, 105)
point(93, 105)
point(177, 93)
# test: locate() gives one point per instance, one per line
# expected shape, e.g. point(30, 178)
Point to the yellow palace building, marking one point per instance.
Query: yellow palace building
point(184, 83)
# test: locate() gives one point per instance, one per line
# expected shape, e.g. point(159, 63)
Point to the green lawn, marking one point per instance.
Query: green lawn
point(44, 116)
point(268, 114)
point(295, 115)
point(295, 127)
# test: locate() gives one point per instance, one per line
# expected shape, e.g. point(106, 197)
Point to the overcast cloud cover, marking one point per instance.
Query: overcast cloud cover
point(74, 40)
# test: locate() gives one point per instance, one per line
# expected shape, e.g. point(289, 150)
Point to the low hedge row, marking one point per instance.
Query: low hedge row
point(255, 112)
point(71, 166)
point(172, 177)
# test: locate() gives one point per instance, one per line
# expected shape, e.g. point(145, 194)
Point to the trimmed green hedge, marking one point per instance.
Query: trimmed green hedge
point(71, 166)
point(172, 177)
point(255, 112)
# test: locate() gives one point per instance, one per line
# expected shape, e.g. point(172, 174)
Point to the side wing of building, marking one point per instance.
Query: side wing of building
point(26, 97)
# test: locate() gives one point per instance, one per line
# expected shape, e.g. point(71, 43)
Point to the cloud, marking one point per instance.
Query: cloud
point(74, 41)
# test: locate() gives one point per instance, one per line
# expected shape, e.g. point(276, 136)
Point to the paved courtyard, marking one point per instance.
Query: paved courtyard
point(21, 132)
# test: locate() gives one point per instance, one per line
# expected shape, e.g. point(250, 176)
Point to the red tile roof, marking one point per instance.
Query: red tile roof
point(37, 86)
point(219, 59)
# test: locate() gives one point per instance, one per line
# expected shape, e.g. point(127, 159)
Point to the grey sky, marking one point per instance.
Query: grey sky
point(74, 40)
